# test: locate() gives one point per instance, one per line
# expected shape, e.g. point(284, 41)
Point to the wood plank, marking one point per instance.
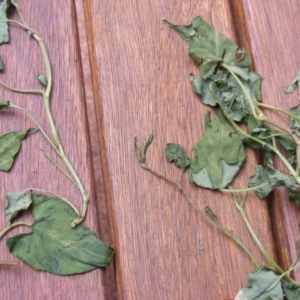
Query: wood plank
point(56, 21)
point(275, 46)
point(139, 69)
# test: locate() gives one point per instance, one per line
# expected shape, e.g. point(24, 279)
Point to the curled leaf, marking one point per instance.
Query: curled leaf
point(54, 246)
point(219, 155)
point(175, 153)
point(15, 203)
point(266, 180)
point(291, 87)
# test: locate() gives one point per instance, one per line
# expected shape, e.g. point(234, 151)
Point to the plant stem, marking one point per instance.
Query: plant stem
point(279, 109)
point(255, 238)
point(247, 95)
point(243, 190)
point(13, 225)
point(212, 222)
point(46, 96)
point(4, 231)
point(56, 195)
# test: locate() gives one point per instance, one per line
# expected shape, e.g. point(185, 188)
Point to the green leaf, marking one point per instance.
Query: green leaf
point(294, 123)
point(291, 291)
point(10, 145)
point(272, 179)
point(221, 88)
point(4, 36)
point(5, 105)
point(15, 203)
point(219, 155)
point(175, 153)
point(262, 284)
point(54, 246)
point(291, 87)
point(208, 47)
point(42, 79)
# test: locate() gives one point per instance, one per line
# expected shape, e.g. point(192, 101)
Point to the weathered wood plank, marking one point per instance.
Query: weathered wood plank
point(56, 21)
point(139, 69)
point(275, 47)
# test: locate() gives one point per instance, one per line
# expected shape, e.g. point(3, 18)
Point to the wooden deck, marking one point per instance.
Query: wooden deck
point(133, 81)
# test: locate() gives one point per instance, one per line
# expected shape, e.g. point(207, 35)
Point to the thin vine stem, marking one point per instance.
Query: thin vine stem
point(209, 220)
point(254, 236)
point(46, 96)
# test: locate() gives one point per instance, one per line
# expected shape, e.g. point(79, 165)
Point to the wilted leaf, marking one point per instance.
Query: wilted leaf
point(291, 291)
point(10, 144)
point(175, 153)
point(262, 284)
point(208, 47)
point(291, 87)
point(54, 246)
point(221, 88)
point(4, 105)
point(271, 179)
point(219, 155)
point(4, 36)
point(15, 203)
point(42, 79)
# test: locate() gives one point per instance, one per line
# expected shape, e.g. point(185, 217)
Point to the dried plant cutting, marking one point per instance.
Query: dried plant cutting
point(228, 85)
point(58, 241)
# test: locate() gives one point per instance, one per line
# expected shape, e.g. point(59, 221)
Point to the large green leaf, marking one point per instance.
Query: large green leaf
point(10, 145)
point(54, 246)
point(263, 284)
point(219, 155)
point(208, 47)
point(15, 203)
point(4, 36)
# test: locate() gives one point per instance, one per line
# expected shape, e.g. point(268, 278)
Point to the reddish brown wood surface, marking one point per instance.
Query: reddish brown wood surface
point(164, 250)
point(57, 23)
point(139, 71)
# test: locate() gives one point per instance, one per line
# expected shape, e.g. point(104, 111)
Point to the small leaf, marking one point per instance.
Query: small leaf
point(5, 105)
point(42, 79)
point(294, 123)
point(15, 203)
point(219, 155)
point(175, 153)
point(10, 145)
point(4, 36)
point(54, 246)
point(291, 87)
point(291, 291)
point(262, 284)
point(271, 179)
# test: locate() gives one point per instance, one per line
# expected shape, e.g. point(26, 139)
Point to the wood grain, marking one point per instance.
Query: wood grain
point(275, 47)
point(139, 72)
point(57, 22)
